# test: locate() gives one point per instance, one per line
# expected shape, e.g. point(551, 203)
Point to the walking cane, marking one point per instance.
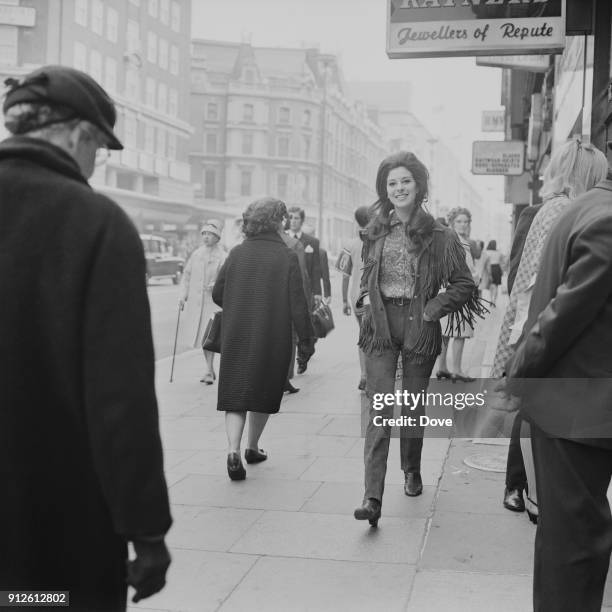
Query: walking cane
point(178, 320)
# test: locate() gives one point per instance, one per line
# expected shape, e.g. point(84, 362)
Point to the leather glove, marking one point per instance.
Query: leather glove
point(147, 572)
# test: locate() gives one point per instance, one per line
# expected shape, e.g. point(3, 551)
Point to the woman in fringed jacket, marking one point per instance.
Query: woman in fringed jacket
point(407, 257)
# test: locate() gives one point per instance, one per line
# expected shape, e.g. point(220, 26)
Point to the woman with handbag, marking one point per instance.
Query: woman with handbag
point(408, 256)
point(261, 291)
point(198, 280)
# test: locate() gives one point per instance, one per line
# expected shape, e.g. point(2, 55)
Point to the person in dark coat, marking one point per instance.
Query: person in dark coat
point(325, 276)
point(82, 466)
point(562, 370)
point(518, 241)
point(261, 291)
point(297, 216)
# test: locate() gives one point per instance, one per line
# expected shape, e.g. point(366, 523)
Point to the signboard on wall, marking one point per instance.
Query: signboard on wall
point(505, 157)
point(439, 28)
point(17, 15)
point(531, 63)
point(493, 121)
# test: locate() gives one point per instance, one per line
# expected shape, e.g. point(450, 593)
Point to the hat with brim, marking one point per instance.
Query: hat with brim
point(214, 226)
point(72, 88)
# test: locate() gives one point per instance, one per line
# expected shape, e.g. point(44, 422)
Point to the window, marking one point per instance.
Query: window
point(247, 144)
point(247, 112)
point(149, 138)
point(132, 84)
point(171, 145)
point(212, 111)
point(283, 146)
point(161, 142)
point(133, 36)
point(152, 47)
point(112, 24)
point(173, 102)
point(211, 143)
point(79, 60)
point(307, 118)
point(80, 12)
point(95, 65)
point(307, 141)
point(162, 98)
point(97, 17)
point(246, 177)
point(163, 53)
point(284, 115)
point(175, 20)
point(110, 74)
point(209, 183)
point(8, 45)
point(150, 92)
point(130, 130)
point(174, 59)
point(164, 11)
point(282, 186)
point(153, 8)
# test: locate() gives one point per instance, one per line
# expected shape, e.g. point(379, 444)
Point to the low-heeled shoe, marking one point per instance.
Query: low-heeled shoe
point(235, 469)
point(255, 456)
point(368, 511)
point(513, 500)
point(413, 484)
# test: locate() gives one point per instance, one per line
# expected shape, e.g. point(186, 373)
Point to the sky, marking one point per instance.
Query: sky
point(448, 94)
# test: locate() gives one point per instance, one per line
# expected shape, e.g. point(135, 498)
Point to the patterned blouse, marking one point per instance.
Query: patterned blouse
point(399, 262)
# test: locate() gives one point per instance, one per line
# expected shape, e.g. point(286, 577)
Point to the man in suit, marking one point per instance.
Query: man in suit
point(297, 216)
point(562, 371)
point(516, 477)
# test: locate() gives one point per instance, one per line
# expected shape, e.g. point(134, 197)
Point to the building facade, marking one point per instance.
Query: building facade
point(271, 121)
point(138, 50)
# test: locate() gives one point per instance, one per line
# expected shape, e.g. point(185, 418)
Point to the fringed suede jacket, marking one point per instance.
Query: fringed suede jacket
point(440, 264)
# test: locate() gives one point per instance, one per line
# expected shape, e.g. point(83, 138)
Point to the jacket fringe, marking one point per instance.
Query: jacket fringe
point(466, 315)
point(428, 345)
point(367, 341)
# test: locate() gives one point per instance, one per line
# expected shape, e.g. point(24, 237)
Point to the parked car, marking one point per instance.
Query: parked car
point(161, 263)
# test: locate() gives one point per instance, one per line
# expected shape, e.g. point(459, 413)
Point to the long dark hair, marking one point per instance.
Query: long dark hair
point(421, 222)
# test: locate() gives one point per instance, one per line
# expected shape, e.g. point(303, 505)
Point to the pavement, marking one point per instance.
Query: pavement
point(285, 538)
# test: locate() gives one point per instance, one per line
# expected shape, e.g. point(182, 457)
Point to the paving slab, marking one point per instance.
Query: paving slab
point(199, 581)
point(172, 458)
point(479, 542)
point(290, 424)
point(313, 585)
point(254, 493)
point(343, 497)
point(306, 445)
point(344, 469)
point(213, 529)
point(329, 536)
point(435, 591)
point(343, 426)
point(214, 462)
point(433, 449)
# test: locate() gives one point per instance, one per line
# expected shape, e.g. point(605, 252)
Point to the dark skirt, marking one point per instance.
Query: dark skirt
point(496, 274)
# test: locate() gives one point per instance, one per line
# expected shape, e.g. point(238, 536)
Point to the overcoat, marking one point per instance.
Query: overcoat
point(261, 292)
point(80, 454)
point(568, 333)
point(198, 280)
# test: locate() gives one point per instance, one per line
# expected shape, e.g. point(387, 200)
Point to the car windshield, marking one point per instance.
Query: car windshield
point(153, 246)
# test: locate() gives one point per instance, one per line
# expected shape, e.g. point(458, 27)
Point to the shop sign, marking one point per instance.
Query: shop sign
point(506, 157)
point(439, 28)
point(17, 15)
point(531, 63)
point(169, 227)
point(493, 121)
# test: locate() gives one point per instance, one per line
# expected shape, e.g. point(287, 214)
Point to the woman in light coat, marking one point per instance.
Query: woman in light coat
point(199, 278)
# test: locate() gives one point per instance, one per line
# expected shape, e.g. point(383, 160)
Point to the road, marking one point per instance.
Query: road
point(164, 296)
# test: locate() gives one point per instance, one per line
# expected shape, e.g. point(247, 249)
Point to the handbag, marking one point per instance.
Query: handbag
point(211, 341)
point(322, 320)
point(344, 263)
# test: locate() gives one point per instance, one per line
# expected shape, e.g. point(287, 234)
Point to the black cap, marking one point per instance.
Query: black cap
point(68, 87)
